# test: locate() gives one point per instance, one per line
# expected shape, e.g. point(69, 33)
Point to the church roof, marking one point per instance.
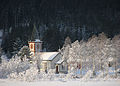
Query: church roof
point(60, 61)
point(37, 40)
point(47, 56)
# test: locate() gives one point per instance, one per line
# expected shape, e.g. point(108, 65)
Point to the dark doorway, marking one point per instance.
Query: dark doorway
point(57, 69)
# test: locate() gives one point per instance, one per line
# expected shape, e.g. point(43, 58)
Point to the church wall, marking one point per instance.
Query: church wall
point(32, 47)
point(53, 63)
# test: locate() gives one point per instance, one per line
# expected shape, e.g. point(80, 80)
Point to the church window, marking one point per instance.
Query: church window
point(38, 46)
point(31, 46)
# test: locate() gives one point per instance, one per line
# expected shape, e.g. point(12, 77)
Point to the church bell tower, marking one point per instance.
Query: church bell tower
point(35, 46)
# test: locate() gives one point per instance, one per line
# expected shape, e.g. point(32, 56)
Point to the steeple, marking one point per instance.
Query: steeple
point(35, 33)
point(35, 46)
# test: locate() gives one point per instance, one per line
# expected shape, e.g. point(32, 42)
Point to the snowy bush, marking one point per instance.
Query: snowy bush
point(88, 75)
point(13, 65)
point(51, 71)
point(15, 68)
point(27, 75)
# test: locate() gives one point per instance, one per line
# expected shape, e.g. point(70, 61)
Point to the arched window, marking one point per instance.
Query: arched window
point(31, 46)
point(37, 46)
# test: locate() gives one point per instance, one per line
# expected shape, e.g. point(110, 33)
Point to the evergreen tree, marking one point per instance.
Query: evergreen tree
point(52, 39)
point(17, 45)
point(67, 41)
point(84, 33)
point(24, 52)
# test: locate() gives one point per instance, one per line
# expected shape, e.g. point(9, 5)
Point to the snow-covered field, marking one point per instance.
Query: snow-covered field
point(5, 82)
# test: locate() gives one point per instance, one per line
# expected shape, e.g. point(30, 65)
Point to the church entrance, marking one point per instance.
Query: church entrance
point(45, 67)
point(57, 69)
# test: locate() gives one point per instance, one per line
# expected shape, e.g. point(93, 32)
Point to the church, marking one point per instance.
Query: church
point(50, 60)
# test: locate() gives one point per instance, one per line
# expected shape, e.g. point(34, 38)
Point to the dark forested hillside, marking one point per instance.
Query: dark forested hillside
point(54, 20)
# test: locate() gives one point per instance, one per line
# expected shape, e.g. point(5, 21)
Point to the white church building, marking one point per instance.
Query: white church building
point(50, 60)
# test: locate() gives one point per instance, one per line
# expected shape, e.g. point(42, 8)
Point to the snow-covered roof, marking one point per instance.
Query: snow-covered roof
point(37, 40)
point(60, 61)
point(110, 59)
point(48, 55)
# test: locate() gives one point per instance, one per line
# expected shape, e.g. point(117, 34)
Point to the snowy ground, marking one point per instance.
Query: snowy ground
point(5, 82)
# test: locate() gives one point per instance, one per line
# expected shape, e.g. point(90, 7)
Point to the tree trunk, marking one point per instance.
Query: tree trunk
point(81, 69)
point(115, 69)
point(101, 64)
point(93, 66)
point(107, 69)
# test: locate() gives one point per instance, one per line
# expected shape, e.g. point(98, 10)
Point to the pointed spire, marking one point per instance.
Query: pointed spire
point(35, 34)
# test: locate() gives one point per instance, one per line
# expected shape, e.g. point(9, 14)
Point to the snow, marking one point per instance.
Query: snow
point(48, 55)
point(110, 59)
point(37, 40)
point(5, 82)
point(16, 72)
point(88, 75)
point(60, 61)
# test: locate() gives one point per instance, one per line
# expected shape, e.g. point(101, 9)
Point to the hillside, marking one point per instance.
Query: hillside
point(55, 20)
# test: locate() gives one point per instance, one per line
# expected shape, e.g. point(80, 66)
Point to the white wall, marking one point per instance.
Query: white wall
point(62, 69)
point(38, 49)
point(53, 62)
point(32, 49)
point(50, 64)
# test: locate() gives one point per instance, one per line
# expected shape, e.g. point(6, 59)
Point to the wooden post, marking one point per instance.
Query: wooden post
point(115, 69)
point(93, 66)
point(81, 68)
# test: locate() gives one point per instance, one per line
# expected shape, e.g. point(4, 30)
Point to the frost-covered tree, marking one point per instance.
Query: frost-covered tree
point(65, 56)
point(116, 50)
point(67, 41)
point(101, 40)
point(37, 60)
point(13, 65)
point(73, 55)
point(20, 70)
point(107, 53)
point(92, 50)
point(95, 54)
point(24, 53)
point(65, 50)
point(83, 54)
point(17, 45)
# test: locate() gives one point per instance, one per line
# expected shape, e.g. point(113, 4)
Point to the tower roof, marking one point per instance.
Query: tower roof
point(37, 40)
point(48, 56)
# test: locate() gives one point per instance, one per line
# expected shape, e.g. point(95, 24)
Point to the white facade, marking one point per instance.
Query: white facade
point(49, 60)
point(61, 67)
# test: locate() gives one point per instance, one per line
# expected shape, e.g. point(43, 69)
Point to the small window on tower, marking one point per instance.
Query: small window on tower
point(38, 46)
point(31, 46)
